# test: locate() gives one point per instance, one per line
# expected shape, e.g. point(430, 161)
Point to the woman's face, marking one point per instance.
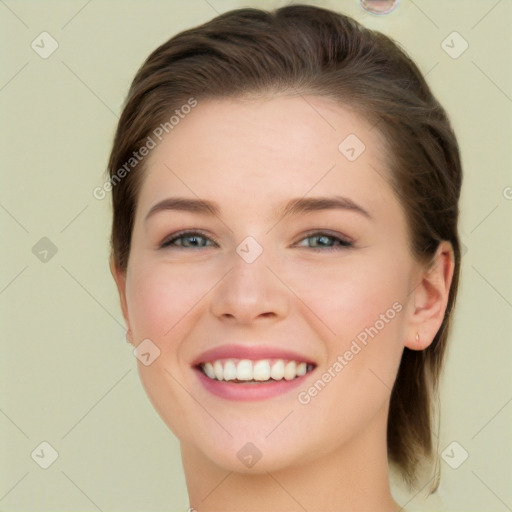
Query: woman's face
point(295, 259)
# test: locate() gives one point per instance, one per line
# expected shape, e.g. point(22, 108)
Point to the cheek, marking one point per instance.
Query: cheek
point(363, 306)
point(163, 304)
point(350, 297)
point(161, 300)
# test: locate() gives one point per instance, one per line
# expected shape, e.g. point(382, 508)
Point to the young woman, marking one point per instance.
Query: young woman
point(285, 191)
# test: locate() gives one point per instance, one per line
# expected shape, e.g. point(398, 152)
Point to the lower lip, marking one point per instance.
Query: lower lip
point(249, 392)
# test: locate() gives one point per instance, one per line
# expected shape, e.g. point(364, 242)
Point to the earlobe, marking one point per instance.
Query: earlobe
point(120, 280)
point(430, 298)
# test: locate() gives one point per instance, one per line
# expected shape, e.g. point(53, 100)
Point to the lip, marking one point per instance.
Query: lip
point(249, 392)
point(254, 353)
point(254, 391)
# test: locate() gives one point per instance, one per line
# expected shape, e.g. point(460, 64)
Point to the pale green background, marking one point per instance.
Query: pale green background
point(67, 375)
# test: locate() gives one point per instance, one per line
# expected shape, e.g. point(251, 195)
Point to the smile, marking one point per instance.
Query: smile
point(251, 372)
point(245, 371)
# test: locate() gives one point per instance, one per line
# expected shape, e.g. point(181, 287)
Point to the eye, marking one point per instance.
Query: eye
point(187, 240)
point(198, 240)
point(322, 240)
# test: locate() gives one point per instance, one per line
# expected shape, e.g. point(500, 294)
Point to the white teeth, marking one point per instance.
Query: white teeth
point(277, 371)
point(208, 369)
point(230, 371)
point(302, 369)
point(218, 370)
point(290, 370)
point(244, 370)
point(260, 371)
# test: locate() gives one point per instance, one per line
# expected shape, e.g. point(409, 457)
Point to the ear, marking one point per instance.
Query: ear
point(120, 279)
point(430, 298)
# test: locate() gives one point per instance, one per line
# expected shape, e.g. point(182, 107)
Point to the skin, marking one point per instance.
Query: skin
point(251, 156)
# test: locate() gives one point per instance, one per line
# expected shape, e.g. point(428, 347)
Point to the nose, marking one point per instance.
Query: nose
point(250, 292)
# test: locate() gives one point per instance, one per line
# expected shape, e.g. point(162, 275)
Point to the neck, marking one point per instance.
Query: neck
point(350, 478)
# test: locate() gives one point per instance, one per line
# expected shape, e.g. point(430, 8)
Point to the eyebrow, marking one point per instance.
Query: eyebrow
point(200, 206)
point(312, 204)
point(293, 207)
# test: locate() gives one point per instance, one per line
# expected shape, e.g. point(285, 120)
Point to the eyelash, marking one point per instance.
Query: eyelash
point(343, 243)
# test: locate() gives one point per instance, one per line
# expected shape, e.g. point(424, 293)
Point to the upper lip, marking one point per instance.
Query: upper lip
point(254, 352)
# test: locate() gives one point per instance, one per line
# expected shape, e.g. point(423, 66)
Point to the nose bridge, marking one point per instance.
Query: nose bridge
point(249, 290)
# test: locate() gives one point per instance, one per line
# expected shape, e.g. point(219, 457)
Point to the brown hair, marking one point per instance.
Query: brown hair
point(309, 50)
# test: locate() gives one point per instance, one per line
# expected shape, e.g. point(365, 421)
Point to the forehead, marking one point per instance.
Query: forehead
point(267, 149)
